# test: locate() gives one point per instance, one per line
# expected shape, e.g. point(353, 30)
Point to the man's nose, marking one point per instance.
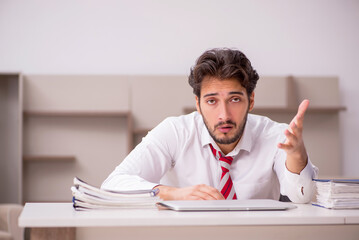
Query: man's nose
point(224, 113)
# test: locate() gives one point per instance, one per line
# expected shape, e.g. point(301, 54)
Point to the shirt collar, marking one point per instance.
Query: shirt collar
point(244, 144)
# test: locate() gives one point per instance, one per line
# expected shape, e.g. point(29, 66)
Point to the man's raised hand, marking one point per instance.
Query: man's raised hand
point(297, 157)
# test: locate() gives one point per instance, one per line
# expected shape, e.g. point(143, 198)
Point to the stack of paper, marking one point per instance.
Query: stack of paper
point(337, 193)
point(86, 196)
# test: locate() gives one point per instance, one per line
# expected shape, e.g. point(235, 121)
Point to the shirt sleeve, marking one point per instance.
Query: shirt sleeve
point(299, 188)
point(144, 167)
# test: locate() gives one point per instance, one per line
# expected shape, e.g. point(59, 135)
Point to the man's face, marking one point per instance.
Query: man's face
point(224, 106)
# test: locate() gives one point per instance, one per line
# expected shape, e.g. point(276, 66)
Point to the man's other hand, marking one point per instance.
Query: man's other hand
point(196, 192)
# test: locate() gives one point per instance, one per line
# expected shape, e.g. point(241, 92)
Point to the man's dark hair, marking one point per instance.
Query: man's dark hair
point(223, 63)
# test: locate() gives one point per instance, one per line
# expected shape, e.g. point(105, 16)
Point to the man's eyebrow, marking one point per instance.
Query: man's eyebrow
point(239, 93)
point(210, 94)
point(230, 93)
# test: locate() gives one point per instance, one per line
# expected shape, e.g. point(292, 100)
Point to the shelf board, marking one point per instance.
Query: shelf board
point(260, 110)
point(48, 158)
point(76, 113)
point(294, 110)
point(10, 74)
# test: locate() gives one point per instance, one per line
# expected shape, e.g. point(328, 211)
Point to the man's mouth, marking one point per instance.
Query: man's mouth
point(225, 128)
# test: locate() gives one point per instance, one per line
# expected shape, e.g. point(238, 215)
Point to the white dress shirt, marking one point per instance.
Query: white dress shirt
point(177, 153)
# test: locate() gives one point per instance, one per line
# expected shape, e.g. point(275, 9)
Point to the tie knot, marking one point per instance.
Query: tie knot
point(224, 161)
point(227, 160)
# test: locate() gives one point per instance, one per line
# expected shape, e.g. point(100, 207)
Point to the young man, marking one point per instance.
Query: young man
point(221, 151)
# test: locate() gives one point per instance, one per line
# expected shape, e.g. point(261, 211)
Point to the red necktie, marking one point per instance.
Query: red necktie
point(226, 184)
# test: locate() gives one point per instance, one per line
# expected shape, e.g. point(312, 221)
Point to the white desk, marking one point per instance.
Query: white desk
point(304, 222)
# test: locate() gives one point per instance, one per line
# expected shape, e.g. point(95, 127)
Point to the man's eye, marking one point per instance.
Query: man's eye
point(211, 101)
point(236, 99)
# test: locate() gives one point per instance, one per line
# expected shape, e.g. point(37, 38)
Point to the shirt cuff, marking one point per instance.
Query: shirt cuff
point(308, 173)
point(301, 185)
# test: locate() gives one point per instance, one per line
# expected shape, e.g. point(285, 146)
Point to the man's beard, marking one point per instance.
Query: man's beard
point(238, 134)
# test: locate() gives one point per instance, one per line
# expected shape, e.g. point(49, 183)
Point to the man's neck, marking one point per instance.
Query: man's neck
point(227, 148)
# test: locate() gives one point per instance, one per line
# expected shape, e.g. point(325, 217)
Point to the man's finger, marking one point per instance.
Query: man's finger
point(285, 147)
point(301, 112)
point(213, 192)
point(194, 198)
point(294, 129)
point(291, 138)
point(202, 195)
point(299, 117)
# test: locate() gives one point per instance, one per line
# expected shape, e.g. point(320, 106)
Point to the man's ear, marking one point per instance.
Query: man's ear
point(251, 101)
point(197, 105)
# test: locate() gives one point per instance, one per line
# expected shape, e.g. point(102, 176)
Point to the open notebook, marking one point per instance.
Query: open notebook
point(227, 205)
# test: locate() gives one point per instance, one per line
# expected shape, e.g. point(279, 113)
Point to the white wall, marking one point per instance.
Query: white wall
point(165, 37)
